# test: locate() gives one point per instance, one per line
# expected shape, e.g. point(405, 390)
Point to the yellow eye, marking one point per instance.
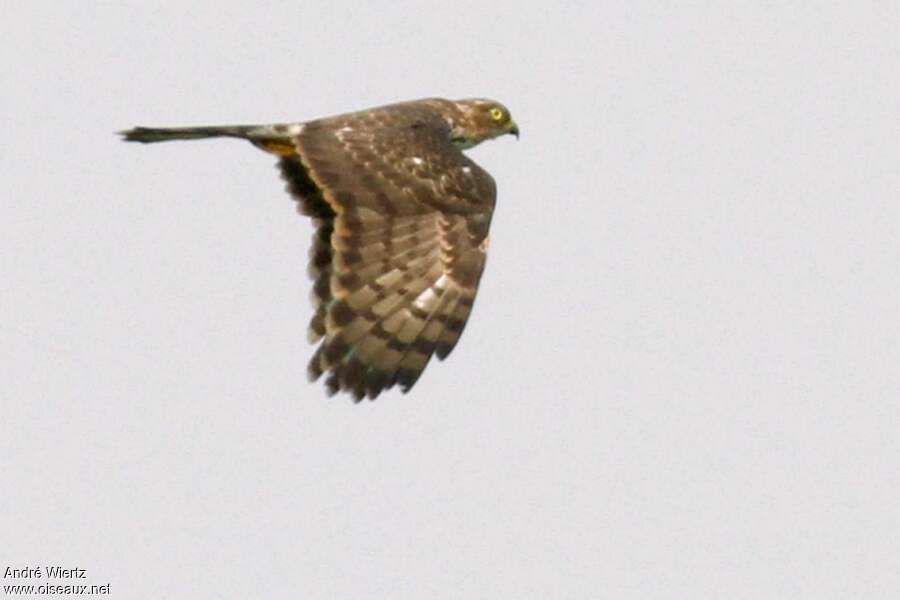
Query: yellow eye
point(497, 114)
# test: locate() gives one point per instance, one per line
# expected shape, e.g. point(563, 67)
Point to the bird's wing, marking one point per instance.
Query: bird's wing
point(402, 223)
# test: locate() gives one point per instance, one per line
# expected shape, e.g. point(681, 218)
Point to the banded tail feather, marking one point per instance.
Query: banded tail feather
point(149, 135)
point(276, 139)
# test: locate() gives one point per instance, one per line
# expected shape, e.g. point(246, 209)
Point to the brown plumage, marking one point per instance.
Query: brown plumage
point(402, 218)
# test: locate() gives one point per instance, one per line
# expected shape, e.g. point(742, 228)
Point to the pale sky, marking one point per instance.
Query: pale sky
point(680, 379)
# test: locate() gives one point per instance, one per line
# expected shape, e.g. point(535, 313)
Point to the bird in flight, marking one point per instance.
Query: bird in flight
point(401, 218)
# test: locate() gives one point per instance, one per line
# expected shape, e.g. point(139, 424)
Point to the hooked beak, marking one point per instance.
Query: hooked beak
point(514, 129)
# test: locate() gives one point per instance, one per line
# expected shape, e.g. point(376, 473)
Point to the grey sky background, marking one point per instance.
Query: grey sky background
point(681, 375)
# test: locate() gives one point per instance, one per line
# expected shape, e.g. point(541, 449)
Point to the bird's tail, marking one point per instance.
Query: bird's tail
point(148, 135)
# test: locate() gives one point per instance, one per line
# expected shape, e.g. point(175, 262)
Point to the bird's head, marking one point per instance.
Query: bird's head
point(480, 119)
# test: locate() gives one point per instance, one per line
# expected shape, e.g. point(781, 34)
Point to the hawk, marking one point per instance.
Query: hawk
point(401, 218)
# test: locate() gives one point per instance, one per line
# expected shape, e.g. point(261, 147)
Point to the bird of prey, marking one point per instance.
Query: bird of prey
point(401, 217)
